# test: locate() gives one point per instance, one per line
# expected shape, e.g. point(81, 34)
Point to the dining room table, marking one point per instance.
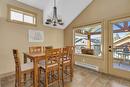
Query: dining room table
point(35, 57)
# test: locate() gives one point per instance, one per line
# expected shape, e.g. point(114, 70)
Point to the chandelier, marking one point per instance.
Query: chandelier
point(54, 20)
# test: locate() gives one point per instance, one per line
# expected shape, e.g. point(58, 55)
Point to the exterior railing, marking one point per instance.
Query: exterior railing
point(122, 53)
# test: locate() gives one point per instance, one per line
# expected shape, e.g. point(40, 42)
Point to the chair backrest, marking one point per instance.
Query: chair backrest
point(52, 56)
point(16, 58)
point(71, 53)
point(71, 50)
point(65, 54)
point(48, 47)
point(35, 49)
point(17, 63)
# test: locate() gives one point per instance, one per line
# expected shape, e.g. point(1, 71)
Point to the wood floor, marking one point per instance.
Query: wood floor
point(82, 78)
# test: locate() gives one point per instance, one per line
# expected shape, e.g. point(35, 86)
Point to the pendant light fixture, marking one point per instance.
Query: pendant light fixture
point(54, 20)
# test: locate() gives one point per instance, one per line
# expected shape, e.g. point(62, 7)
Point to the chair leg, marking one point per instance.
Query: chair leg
point(59, 76)
point(62, 76)
point(39, 74)
point(15, 83)
point(44, 84)
point(18, 81)
point(58, 83)
point(31, 75)
point(25, 77)
point(72, 70)
point(71, 73)
point(46, 79)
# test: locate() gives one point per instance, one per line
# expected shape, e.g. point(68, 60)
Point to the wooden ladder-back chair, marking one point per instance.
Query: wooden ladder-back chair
point(71, 50)
point(35, 49)
point(21, 69)
point(67, 69)
point(48, 47)
point(32, 50)
point(52, 67)
point(71, 54)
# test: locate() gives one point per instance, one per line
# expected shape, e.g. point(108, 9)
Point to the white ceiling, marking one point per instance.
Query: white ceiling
point(68, 10)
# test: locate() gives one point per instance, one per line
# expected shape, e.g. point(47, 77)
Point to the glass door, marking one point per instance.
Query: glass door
point(119, 47)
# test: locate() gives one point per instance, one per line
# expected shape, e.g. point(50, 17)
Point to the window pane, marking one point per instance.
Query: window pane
point(121, 46)
point(80, 42)
point(20, 15)
point(96, 44)
point(28, 19)
point(129, 23)
point(16, 16)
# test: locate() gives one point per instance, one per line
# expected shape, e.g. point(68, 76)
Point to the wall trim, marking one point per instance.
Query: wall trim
point(7, 74)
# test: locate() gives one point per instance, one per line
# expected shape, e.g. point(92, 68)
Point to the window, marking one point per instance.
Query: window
point(19, 15)
point(88, 40)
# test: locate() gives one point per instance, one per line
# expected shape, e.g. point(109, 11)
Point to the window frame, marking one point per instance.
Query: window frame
point(22, 11)
point(102, 23)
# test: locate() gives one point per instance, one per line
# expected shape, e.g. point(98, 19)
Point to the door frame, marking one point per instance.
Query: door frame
point(111, 70)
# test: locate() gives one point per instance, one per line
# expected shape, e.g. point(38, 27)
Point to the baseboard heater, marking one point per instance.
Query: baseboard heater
point(90, 66)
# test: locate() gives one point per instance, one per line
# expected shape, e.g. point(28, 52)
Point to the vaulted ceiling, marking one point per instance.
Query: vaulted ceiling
point(68, 10)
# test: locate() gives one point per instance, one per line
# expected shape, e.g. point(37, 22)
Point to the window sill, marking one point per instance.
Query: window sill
point(92, 56)
point(19, 22)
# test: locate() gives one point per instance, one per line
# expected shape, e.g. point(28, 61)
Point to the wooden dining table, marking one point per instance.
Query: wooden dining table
point(35, 57)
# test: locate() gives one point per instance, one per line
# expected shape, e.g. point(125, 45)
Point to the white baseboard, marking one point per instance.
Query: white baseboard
point(90, 66)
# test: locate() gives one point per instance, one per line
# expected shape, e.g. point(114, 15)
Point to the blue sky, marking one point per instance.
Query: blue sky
point(121, 24)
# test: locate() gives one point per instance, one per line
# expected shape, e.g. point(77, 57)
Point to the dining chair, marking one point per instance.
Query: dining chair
point(35, 49)
point(51, 68)
point(72, 49)
point(71, 54)
point(32, 50)
point(21, 69)
point(66, 64)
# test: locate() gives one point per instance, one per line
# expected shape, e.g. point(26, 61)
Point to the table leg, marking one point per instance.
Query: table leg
point(25, 61)
point(35, 73)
